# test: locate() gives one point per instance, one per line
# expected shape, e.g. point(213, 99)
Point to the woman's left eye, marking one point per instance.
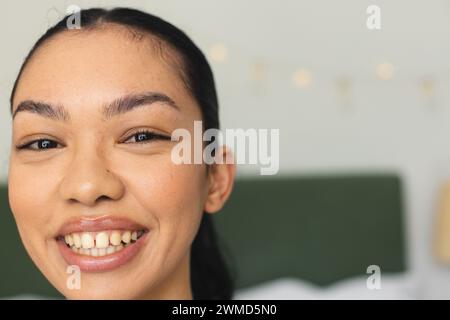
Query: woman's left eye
point(146, 137)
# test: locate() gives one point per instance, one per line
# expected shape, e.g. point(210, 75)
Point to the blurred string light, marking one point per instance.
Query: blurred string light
point(218, 52)
point(343, 86)
point(427, 87)
point(258, 71)
point(258, 76)
point(385, 71)
point(302, 78)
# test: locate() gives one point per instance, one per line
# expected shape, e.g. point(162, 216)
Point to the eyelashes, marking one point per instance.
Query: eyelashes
point(147, 136)
point(43, 143)
point(140, 137)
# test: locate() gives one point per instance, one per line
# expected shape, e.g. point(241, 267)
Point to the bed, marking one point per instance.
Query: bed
point(317, 233)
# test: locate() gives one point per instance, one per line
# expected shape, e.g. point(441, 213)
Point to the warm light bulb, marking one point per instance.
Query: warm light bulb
point(218, 52)
point(302, 78)
point(385, 71)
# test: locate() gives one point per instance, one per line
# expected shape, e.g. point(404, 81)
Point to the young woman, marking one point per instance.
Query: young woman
point(92, 184)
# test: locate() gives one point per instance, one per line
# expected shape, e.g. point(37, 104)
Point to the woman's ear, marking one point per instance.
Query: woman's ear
point(221, 180)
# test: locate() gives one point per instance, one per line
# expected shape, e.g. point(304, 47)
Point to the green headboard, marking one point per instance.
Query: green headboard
point(320, 229)
point(19, 275)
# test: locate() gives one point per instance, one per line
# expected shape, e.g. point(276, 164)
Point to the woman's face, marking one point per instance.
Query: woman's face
point(94, 181)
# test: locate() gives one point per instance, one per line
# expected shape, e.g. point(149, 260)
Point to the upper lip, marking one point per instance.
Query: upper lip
point(95, 224)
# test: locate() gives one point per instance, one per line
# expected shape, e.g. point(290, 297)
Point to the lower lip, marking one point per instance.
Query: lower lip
point(105, 263)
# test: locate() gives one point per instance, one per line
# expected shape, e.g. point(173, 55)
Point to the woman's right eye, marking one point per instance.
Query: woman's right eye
point(39, 145)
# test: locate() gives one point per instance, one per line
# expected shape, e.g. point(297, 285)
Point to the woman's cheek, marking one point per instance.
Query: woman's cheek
point(31, 193)
point(29, 201)
point(164, 186)
point(173, 194)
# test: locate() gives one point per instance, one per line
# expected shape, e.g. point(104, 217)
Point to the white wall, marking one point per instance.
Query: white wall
point(388, 125)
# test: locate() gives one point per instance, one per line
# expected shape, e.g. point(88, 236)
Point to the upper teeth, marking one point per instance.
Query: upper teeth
point(101, 240)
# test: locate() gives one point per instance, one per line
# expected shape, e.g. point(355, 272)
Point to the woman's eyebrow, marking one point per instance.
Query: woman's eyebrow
point(118, 106)
point(132, 101)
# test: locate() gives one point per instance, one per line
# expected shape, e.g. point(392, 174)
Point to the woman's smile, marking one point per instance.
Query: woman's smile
point(101, 244)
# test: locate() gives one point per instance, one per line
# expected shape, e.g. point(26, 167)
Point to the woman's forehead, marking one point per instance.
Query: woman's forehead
point(97, 66)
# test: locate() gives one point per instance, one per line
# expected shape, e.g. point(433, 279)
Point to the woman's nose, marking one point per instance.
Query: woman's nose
point(88, 180)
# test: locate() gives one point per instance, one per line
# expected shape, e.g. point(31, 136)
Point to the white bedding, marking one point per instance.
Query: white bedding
point(399, 286)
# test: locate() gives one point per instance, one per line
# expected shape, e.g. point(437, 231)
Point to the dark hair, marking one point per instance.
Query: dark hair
point(210, 278)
